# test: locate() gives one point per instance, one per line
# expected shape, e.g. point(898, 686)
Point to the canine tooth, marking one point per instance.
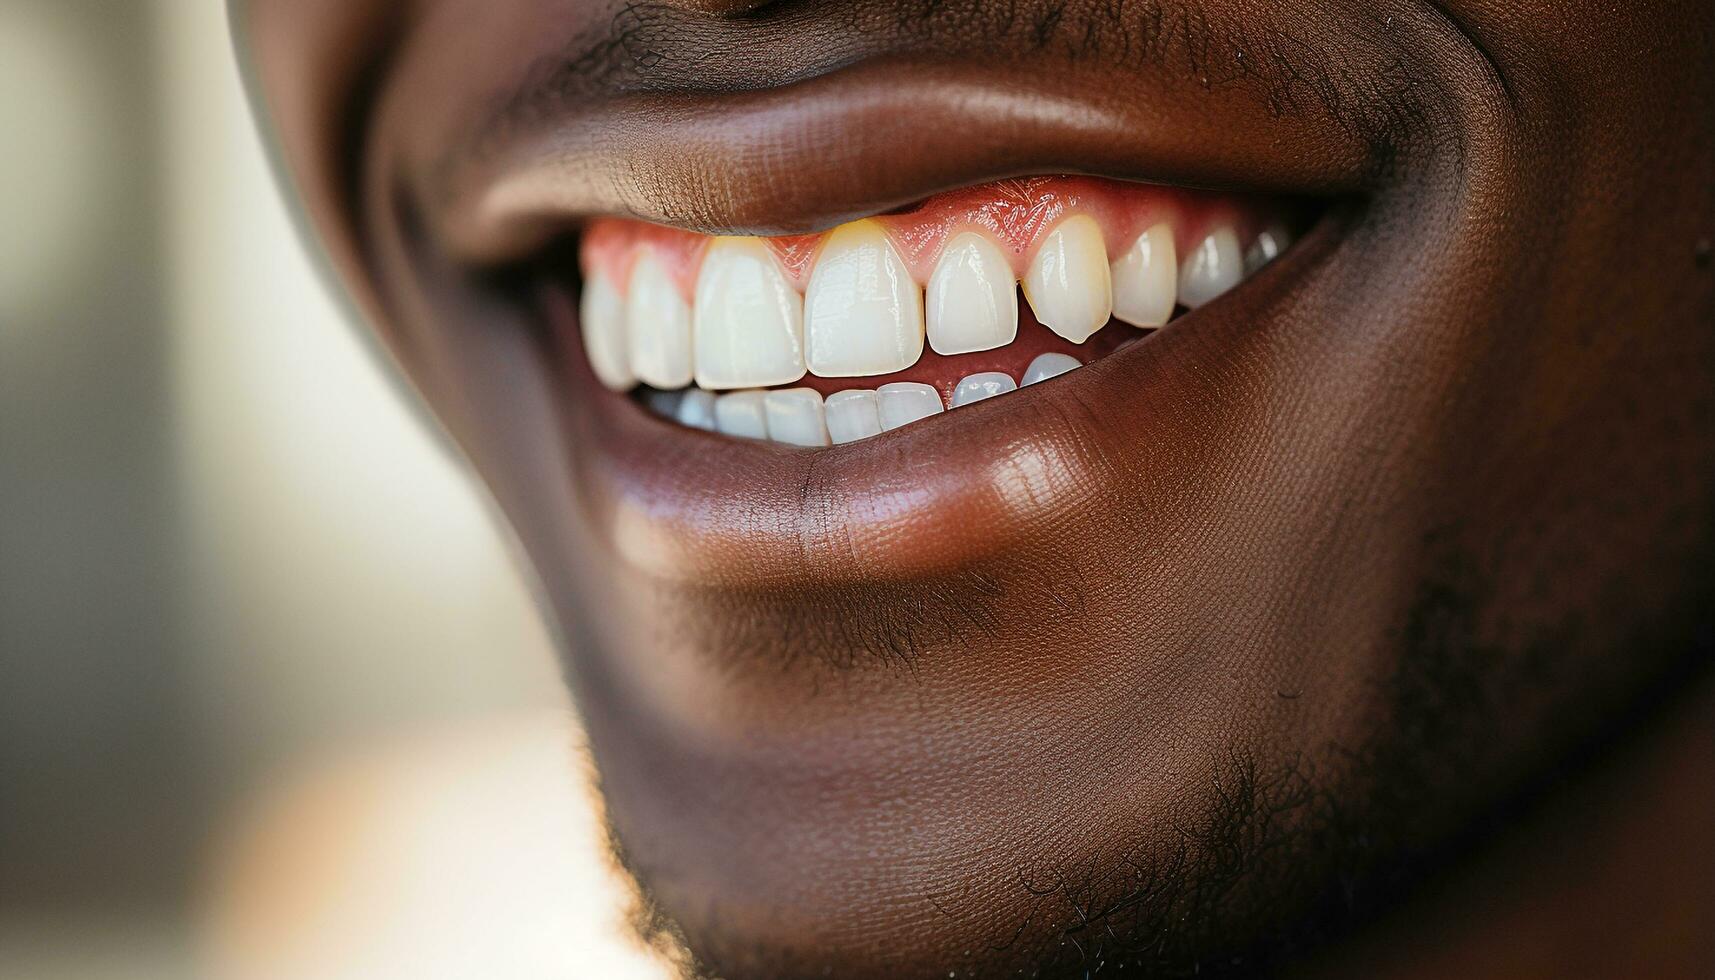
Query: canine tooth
point(852, 415)
point(1267, 247)
point(602, 316)
point(658, 322)
point(973, 299)
point(988, 384)
point(748, 325)
point(742, 414)
point(795, 417)
point(1050, 365)
point(904, 402)
point(863, 314)
point(1146, 279)
point(696, 409)
point(1068, 284)
point(1213, 267)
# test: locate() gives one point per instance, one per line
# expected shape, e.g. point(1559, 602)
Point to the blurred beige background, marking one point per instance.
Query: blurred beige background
point(231, 555)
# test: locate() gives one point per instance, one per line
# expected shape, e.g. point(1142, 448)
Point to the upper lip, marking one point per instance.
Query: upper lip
point(860, 140)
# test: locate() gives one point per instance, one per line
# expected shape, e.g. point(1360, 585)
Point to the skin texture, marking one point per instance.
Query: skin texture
point(1195, 661)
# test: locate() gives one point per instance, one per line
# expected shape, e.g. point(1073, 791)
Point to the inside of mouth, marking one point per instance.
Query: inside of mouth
point(819, 340)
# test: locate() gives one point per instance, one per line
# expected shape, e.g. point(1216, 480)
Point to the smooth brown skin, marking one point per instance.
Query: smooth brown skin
point(1200, 658)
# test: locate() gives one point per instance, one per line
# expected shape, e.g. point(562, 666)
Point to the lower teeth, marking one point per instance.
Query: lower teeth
point(803, 417)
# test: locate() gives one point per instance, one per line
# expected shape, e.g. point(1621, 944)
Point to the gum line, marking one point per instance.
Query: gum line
point(1018, 213)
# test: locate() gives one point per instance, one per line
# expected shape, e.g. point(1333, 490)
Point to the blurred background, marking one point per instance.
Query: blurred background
point(236, 567)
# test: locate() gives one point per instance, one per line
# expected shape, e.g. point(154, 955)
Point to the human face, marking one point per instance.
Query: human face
point(1187, 658)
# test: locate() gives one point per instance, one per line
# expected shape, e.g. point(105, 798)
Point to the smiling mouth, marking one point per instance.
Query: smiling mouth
point(880, 320)
point(831, 338)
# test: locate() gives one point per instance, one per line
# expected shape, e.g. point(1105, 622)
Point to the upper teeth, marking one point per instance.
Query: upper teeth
point(1068, 284)
point(602, 311)
point(862, 313)
point(1213, 267)
point(659, 324)
point(973, 304)
point(1146, 279)
point(748, 321)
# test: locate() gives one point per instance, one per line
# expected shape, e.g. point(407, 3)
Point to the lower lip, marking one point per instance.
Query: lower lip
point(682, 505)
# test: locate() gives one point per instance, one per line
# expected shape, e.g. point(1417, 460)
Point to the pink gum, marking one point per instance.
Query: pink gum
point(1016, 213)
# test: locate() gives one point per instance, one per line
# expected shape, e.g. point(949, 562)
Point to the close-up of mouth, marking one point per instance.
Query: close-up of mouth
point(828, 340)
point(859, 294)
point(1017, 484)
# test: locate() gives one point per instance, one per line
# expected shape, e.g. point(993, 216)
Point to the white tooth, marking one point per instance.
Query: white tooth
point(697, 409)
point(972, 300)
point(904, 402)
point(659, 324)
point(748, 324)
point(663, 403)
point(741, 414)
point(1146, 279)
point(602, 314)
point(988, 384)
point(863, 314)
point(1267, 247)
point(795, 417)
point(853, 415)
point(1212, 268)
point(1049, 366)
point(1068, 283)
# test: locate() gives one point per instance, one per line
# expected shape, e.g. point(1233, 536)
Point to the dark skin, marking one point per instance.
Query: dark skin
point(1198, 662)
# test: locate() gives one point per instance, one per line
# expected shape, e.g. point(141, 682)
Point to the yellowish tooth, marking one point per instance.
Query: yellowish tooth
point(863, 313)
point(1068, 284)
